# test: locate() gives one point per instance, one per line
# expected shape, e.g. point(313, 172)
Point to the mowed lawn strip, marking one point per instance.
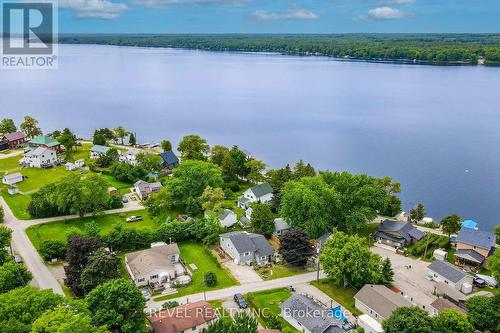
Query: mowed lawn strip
point(18, 203)
point(343, 296)
point(58, 230)
point(279, 271)
point(268, 302)
point(196, 253)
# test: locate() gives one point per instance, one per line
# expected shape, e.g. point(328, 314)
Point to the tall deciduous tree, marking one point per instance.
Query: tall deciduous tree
point(7, 126)
point(65, 319)
point(166, 145)
point(149, 162)
point(494, 264)
point(160, 202)
point(120, 133)
point(12, 276)
point(295, 247)
point(256, 168)
point(347, 260)
point(102, 266)
point(30, 127)
point(68, 140)
point(483, 312)
point(417, 213)
point(5, 238)
point(452, 321)
point(408, 320)
point(193, 147)
point(217, 153)
point(118, 305)
point(451, 224)
point(262, 219)
point(212, 198)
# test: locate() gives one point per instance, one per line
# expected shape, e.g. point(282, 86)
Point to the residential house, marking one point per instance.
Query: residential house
point(247, 248)
point(259, 193)
point(227, 218)
point(449, 274)
point(378, 301)
point(443, 304)
point(320, 242)
point(369, 324)
point(305, 315)
point(97, 151)
point(169, 160)
point(12, 178)
point(12, 140)
point(144, 189)
point(44, 141)
point(398, 234)
point(70, 166)
point(40, 157)
point(474, 246)
point(280, 226)
point(130, 156)
point(191, 317)
point(157, 265)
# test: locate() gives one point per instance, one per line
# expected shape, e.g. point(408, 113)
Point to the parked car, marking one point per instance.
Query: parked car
point(478, 282)
point(347, 326)
point(18, 259)
point(291, 288)
point(145, 294)
point(125, 199)
point(134, 218)
point(238, 298)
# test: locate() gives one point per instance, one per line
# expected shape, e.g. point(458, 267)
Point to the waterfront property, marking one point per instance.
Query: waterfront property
point(40, 157)
point(190, 317)
point(247, 248)
point(144, 189)
point(304, 314)
point(130, 156)
point(262, 192)
point(444, 272)
point(169, 160)
point(44, 141)
point(474, 246)
point(12, 140)
point(378, 301)
point(97, 151)
point(398, 234)
point(156, 266)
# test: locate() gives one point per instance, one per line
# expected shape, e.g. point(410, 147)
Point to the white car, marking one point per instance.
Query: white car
point(134, 218)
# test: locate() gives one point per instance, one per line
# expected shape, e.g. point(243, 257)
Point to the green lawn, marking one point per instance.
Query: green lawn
point(196, 253)
point(269, 301)
point(279, 271)
point(343, 296)
point(18, 203)
point(58, 230)
point(10, 163)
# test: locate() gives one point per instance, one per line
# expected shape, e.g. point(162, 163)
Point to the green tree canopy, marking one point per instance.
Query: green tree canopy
point(262, 219)
point(417, 213)
point(120, 133)
point(256, 169)
point(13, 275)
point(483, 312)
point(118, 305)
point(30, 127)
point(452, 321)
point(451, 224)
point(66, 319)
point(193, 147)
point(295, 247)
point(7, 125)
point(212, 198)
point(494, 264)
point(166, 145)
point(408, 320)
point(102, 266)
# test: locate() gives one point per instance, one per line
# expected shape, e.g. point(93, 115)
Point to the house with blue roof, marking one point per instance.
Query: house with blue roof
point(169, 160)
point(474, 246)
point(97, 151)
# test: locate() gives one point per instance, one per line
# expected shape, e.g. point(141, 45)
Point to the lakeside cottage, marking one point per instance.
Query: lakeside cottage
point(44, 141)
point(247, 248)
point(12, 140)
point(262, 192)
point(474, 246)
point(144, 189)
point(444, 272)
point(169, 160)
point(398, 234)
point(97, 151)
point(130, 156)
point(40, 157)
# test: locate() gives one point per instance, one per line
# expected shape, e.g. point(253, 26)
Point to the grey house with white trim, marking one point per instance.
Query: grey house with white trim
point(247, 248)
point(443, 271)
point(397, 234)
point(378, 301)
point(259, 193)
point(304, 314)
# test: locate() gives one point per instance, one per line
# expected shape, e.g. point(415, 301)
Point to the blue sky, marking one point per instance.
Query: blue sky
point(278, 16)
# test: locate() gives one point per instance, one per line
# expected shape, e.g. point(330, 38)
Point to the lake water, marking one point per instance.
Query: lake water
point(434, 129)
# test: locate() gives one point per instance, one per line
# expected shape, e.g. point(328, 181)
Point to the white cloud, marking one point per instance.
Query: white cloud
point(386, 13)
point(100, 9)
point(291, 14)
point(166, 3)
point(397, 2)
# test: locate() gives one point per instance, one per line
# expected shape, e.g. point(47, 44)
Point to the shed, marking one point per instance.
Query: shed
point(369, 324)
point(440, 254)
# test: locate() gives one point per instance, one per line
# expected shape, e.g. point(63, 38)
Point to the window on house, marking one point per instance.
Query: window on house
point(154, 276)
point(140, 280)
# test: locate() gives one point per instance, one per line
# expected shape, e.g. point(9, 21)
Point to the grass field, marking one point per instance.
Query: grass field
point(58, 230)
point(196, 253)
point(18, 203)
point(269, 301)
point(343, 296)
point(279, 271)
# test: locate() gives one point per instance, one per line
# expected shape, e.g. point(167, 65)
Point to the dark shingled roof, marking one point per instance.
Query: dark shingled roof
point(470, 255)
point(262, 189)
point(169, 157)
point(249, 242)
point(311, 315)
point(447, 270)
point(443, 303)
point(405, 229)
point(479, 238)
point(14, 136)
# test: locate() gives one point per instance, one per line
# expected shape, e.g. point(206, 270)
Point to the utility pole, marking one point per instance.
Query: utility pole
point(317, 272)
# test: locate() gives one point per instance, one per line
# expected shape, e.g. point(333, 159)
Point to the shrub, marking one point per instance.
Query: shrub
point(210, 279)
point(169, 305)
point(51, 249)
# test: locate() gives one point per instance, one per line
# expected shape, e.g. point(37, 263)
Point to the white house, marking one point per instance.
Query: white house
point(259, 193)
point(280, 226)
point(369, 324)
point(97, 151)
point(144, 189)
point(12, 179)
point(228, 218)
point(40, 157)
point(449, 274)
point(157, 265)
point(130, 156)
point(247, 248)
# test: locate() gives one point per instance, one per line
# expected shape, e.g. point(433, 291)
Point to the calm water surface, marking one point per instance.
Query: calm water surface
point(434, 129)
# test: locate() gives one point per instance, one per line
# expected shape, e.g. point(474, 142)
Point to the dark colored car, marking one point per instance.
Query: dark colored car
point(478, 282)
point(238, 298)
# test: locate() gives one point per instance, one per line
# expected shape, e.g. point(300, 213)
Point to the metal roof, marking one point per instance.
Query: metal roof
point(447, 270)
point(479, 238)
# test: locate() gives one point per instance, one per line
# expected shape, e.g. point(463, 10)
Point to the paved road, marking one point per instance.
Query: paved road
point(42, 277)
point(11, 154)
point(243, 289)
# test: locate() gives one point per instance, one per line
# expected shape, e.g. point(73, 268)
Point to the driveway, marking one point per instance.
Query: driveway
point(243, 273)
point(411, 281)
